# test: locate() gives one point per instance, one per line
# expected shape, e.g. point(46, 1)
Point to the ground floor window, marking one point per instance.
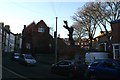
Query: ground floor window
point(116, 51)
point(104, 46)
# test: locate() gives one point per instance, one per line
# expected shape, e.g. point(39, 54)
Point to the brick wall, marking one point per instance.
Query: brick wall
point(115, 31)
point(37, 35)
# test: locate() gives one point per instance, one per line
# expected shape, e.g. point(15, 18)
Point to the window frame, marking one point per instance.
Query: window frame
point(41, 29)
point(116, 52)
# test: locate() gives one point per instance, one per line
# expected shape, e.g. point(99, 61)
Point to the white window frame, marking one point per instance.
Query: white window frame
point(116, 55)
point(28, 46)
point(41, 29)
point(0, 31)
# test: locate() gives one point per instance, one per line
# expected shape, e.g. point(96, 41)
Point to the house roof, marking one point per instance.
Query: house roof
point(29, 27)
point(103, 34)
point(42, 22)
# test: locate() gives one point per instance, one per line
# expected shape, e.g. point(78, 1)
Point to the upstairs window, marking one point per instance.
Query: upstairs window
point(41, 29)
point(1, 31)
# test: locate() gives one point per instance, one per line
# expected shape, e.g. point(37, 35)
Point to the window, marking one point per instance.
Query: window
point(82, 43)
point(117, 47)
point(28, 45)
point(118, 62)
point(1, 31)
point(109, 64)
point(64, 63)
point(41, 29)
point(116, 51)
point(94, 64)
point(28, 56)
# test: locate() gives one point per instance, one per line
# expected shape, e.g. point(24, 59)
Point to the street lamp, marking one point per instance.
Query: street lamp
point(56, 54)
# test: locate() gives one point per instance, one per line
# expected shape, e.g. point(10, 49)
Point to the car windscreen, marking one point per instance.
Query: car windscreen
point(28, 57)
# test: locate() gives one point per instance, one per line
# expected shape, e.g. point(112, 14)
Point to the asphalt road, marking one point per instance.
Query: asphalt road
point(8, 74)
point(14, 70)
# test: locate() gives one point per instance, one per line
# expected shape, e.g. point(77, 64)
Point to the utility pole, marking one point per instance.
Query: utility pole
point(56, 54)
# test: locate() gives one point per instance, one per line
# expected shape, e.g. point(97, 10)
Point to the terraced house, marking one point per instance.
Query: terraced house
point(101, 42)
point(115, 38)
point(1, 37)
point(8, 39)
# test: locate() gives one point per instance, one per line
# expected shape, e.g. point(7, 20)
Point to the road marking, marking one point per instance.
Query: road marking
point(16, 73)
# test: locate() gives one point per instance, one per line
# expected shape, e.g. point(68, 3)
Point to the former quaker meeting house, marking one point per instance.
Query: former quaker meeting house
point(36, 38)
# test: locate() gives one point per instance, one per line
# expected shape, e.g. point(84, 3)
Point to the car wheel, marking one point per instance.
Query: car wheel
point(92, 77)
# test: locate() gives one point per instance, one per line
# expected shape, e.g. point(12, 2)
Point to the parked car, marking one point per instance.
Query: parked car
point(27, 59)
point(70, 68)
point(15, 56)
point(107, 69)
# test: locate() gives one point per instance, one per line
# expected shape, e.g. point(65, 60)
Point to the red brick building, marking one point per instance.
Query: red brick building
point(101, 42)
point(36, 38)
point(115, 39)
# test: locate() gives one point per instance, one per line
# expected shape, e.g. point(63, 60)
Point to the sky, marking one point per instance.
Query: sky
point(20, 13)
point(23, 12)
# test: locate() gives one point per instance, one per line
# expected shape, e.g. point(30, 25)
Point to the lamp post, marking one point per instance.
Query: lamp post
point(56, 54)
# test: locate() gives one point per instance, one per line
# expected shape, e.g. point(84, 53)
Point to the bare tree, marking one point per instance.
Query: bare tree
point(79, 30)
point(110, 11)
point(70, 30)
point(95, 14)
point(107, 12)
point(87, 21)
point(51, 31)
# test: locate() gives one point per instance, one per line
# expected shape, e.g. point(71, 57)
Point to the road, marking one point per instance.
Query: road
point(13, 70)
point(8, 74)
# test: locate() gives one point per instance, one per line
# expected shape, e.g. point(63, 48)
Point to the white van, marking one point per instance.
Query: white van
point(90, 56)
